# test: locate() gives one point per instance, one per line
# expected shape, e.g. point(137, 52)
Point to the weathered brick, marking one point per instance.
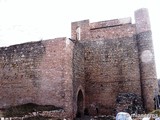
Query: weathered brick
point(87, 72)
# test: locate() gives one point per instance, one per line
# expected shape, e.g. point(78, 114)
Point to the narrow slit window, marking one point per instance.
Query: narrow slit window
point(78, 33)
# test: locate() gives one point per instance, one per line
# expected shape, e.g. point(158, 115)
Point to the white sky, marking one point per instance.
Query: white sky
point(31, 20)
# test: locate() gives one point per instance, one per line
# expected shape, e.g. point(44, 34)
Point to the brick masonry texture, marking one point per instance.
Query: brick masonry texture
point(84, 74)
point(19, 73)
point(38, 72)
point(111, 66)
point(78, 74)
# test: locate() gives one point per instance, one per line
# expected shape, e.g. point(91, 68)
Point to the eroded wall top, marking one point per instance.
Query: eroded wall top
point(111, 29)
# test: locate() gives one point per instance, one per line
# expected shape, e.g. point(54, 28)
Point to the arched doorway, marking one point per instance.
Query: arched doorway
point(80, 103)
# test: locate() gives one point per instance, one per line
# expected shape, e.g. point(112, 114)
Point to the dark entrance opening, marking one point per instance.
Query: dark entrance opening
point(80, 104)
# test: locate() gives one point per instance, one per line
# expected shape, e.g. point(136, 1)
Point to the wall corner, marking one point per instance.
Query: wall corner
point(80, 30)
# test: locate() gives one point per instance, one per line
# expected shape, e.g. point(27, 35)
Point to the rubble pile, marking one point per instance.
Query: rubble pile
point(104, 117)
point(99, 117)
point(31, 111)
point(129, 102)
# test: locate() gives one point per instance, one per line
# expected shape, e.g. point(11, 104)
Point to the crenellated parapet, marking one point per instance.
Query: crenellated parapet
point(110, 29)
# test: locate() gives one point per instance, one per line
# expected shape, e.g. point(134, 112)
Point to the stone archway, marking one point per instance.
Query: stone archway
point(80, 104)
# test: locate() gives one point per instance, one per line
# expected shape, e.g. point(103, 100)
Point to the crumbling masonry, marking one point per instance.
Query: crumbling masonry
point(84, 73)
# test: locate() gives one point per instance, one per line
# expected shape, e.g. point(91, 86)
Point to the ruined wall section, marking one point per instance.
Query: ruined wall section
point(68, 83)
point(113, 32)
point(79, 73)
point(52, 69)
point(112, 67)
point(19, 75)
point(110, 29)
point(56, 86)
point(111, 61)
point(38, 72)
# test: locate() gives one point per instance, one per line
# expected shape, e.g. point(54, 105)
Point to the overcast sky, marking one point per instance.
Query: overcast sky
point(31, 20)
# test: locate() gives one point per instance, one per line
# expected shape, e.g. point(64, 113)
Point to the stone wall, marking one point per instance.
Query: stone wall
point(112, 67)
point(52, 69)
point(112, 32)
point(38, 72)
point(101, 60)
point(146, 57)
point(110, 29)
point(78, 74)
point(111, 62)
point(19, 75)
point(119, 58)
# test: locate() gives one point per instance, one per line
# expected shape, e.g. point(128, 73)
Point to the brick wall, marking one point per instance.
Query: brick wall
point(19, 75)
point(146, 57)
point(112, 32)
point(104, 58)
point(119, 58)
point(110, 29)
point(78, 74)
point(52, 77)
point(39, 72)
point(112, 67)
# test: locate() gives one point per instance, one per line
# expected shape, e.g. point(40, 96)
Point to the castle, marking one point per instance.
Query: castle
point(87, 71)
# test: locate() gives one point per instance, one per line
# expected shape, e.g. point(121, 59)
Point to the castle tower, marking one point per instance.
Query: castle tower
point(146, 55)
